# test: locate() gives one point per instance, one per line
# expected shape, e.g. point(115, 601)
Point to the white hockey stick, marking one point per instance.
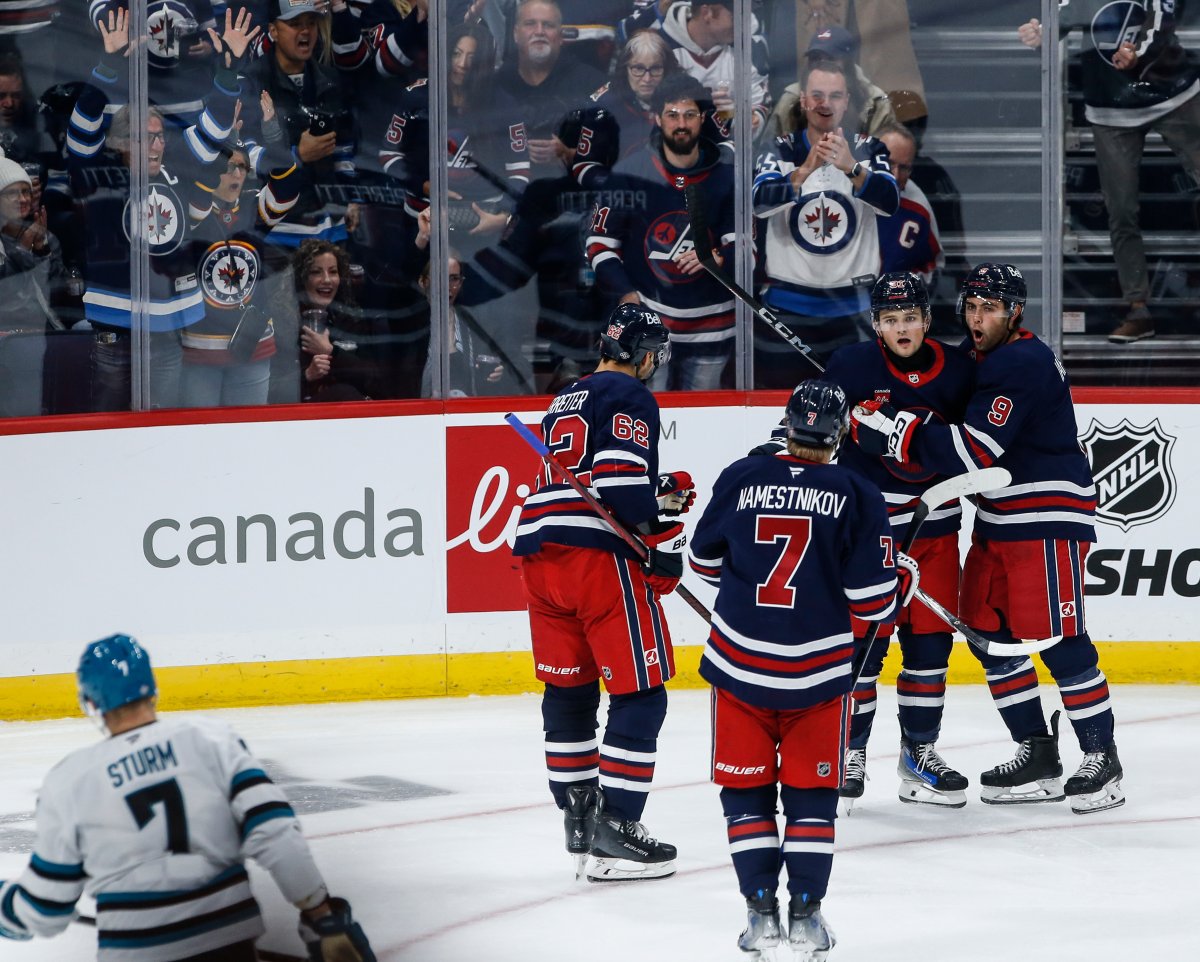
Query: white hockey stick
point(986, 645)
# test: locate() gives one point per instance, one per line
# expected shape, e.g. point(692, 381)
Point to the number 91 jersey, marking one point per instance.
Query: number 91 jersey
point(604, 428)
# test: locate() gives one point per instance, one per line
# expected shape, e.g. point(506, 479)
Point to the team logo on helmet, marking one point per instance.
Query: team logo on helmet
point(228, 273)
point(822, 224)
point(1135, 483)
point(164, 227)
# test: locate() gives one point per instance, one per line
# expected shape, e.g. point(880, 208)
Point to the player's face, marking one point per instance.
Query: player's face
point(538, 34)
point(902, 330)
point(825, 100)
point(681, 122)
point(901, 152)
point(322, 280)
point(988, 323)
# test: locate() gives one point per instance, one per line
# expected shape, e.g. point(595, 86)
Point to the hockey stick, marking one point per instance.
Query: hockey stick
point(634, 542)
point(702, 241)
point(986, 645)
point(934, 496)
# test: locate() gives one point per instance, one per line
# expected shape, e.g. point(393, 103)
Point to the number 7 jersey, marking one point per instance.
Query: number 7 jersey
point(795, 547)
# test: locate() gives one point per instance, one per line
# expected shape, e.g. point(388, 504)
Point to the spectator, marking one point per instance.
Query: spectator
point(30, 262)
point(20, 139)
point(397, 32)
point(909, 239)
point(887, 52)
point(644, 253)
point(869, 105)
point(818, 198)
point(1132, 84)
point(545, 82)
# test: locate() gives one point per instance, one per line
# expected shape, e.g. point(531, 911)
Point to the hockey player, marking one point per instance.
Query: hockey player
point(155, 822)
point(593, 610)
point(912, 373)
point(1023, 576)
point(795, 546)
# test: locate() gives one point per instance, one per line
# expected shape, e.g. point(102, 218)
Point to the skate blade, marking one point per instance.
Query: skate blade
point(1046, 790)
point(580, 866)
point(808, 952)
point(625, 870)
point(918, 793)
point(848, 804)
point(1110, 796)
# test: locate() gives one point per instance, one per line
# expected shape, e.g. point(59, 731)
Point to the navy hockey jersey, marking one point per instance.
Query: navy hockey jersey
point(795, 548)
point(938, 393)
point(604, 428)
point(1021, 418)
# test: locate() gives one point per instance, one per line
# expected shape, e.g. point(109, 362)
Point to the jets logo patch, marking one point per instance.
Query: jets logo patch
point(669, 237)
point(228, 273)
point(1115, 24)
point(163, 220)
point(823, 223)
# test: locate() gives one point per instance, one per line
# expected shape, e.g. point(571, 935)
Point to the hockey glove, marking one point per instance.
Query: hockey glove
point(909, 576)
point(663, 569)
point(675, 493)
point(10, 926)
point(880, 429)
point(335, 937)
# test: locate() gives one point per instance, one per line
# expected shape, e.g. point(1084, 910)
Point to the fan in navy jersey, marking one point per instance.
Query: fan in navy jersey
point(155, 822)
point(795, 545)
point(594, 610)
point(911, 373)
point(1023, 576)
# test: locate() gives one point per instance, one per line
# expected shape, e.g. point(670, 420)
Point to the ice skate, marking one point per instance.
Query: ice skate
point(926, 779)
point(1096, 786)
point(809, 937)
point(855, 779)
point(762, 926)
point(1033, 775)
point(579, 821)
point(623, 851)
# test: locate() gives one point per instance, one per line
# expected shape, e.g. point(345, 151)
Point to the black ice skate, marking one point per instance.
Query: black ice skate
point(926, 779)
point(809, 937)
point(855, 779)
point(623, 851)
point(762, 926)
point(1034, 774)
point(1096, 787)
point(579, 820)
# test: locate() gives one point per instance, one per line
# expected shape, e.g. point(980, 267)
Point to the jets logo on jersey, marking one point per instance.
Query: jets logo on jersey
point(167, 23)
point(667, 238)
point(164, 226)
point(1135, 483)
point(1115, 24)
point(228, 273)
point(822, 223)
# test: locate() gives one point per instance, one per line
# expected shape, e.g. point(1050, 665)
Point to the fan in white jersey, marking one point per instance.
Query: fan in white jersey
point(154, 823)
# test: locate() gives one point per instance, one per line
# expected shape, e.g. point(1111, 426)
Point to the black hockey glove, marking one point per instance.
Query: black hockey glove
point(336, 937)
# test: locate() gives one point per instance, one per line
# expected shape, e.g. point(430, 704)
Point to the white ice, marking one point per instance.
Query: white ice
point(480, 874)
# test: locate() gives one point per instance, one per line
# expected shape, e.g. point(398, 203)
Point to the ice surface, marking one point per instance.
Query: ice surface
point(434, 819)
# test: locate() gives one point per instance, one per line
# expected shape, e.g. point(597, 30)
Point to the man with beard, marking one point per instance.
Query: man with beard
point(818, 196)
point(641, 246)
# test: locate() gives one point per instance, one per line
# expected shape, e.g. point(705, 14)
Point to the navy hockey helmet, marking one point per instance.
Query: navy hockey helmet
point(1001, 282)
point(114, 671)
point(593, 133)
point(898, 289)
point(818, 414)
point(634, 331)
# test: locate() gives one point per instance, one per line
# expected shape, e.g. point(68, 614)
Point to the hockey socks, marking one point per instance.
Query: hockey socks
point(629, 750)
point(808, 839)
point(1014, 687)
point(753, 838)
point(572, 748)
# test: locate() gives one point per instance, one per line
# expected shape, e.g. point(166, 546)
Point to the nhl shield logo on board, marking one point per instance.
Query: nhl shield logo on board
point(1131, 464)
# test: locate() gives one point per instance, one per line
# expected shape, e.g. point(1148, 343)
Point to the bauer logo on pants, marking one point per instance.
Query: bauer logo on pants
point(1132, 467)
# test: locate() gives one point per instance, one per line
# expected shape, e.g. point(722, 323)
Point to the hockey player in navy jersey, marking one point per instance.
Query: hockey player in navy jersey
point(796, 546)
point(912, 373)
point(594, 610)
point(155, 822)
point(1023, 576)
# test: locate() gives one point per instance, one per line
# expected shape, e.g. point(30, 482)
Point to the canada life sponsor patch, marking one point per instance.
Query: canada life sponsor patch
point(1131, 464)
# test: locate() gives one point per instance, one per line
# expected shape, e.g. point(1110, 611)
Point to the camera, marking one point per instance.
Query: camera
point(185, 32)
point(320, 122)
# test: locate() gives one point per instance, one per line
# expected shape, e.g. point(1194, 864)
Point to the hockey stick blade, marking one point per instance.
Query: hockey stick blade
point(986, 645)
point(702, 241)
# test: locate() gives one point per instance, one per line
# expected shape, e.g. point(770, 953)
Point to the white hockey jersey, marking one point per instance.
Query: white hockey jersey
point(154, 823)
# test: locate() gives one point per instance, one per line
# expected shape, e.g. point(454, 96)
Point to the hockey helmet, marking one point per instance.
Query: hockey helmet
point(1001, 282)
point(634, 331)
point(593, 133)
point(114, 671)
point(818, 414)
point(896, 290)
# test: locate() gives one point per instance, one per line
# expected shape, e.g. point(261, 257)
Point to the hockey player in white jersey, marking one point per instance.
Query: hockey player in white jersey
point(155, 822)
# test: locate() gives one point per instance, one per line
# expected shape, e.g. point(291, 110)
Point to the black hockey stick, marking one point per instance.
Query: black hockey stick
point(702, 240)
point(934, 496)
point(634, 542)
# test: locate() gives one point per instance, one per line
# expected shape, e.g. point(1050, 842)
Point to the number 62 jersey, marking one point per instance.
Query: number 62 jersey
point(795, 547)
